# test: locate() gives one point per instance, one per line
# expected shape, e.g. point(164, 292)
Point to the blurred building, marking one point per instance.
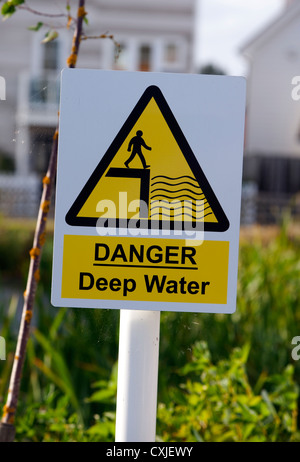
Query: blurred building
point(156, 35)
point(272, 144)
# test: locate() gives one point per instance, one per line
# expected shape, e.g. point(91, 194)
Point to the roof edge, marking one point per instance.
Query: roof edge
point(261, 37)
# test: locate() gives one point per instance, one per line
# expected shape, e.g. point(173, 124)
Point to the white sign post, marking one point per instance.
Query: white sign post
point(147, 210)
point(137, 376)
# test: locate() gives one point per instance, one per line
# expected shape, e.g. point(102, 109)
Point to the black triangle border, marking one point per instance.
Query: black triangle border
point(152, 91)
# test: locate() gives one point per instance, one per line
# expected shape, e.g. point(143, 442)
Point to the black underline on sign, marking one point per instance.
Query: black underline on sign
point(147, 266)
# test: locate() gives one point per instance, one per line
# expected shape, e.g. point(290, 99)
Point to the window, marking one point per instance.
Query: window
point(144, 58)
point(41, 141)
point(44, 90)
point(175, 54)
point(170, 53)
point(122, 58)
point(50, 61)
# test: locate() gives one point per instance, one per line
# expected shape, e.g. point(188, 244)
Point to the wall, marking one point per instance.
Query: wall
point(273, 117)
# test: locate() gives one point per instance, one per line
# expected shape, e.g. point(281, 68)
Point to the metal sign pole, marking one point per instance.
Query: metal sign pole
point(137, 376)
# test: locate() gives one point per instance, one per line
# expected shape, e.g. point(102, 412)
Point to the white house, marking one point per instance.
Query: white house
point(272, 143)
point(156, 35)
point(153, 35)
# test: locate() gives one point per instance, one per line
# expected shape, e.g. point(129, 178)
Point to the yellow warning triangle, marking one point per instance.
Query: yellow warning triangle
point(148, 176)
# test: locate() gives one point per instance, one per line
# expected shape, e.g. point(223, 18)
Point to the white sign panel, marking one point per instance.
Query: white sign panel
point(148, 191)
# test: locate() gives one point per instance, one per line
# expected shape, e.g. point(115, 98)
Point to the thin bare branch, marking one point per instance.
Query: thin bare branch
point(7, 429)
point(40, 13)
point(105, 35)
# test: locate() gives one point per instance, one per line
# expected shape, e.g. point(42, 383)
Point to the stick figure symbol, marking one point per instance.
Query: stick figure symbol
point(136, 143)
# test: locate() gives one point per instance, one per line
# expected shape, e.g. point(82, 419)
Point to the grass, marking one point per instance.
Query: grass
point(69, 381)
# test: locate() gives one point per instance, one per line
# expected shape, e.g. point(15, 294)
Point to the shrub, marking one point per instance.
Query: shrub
point(215, 403)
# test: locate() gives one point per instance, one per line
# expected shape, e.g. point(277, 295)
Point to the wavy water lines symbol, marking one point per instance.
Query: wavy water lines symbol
point(178, 198)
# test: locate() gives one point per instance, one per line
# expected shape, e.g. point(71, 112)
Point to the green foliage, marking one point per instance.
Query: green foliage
point(211, 69)
point(53, 421)
point(216, 403)
point(50, 36)
point(267, 315)
point(268, 303)
point(239, 383)
point(36, 27)
point(106, 389)
point(9, 7)
point(16, 237)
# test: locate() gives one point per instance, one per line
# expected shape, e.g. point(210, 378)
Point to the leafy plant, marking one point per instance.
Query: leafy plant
point(53, 421)
point(209, 392)
point(216, 403)
point(9, 7)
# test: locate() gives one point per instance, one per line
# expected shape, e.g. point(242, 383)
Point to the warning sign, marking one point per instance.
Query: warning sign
point(151, 162)
point(148, 191)
point(143, 269)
